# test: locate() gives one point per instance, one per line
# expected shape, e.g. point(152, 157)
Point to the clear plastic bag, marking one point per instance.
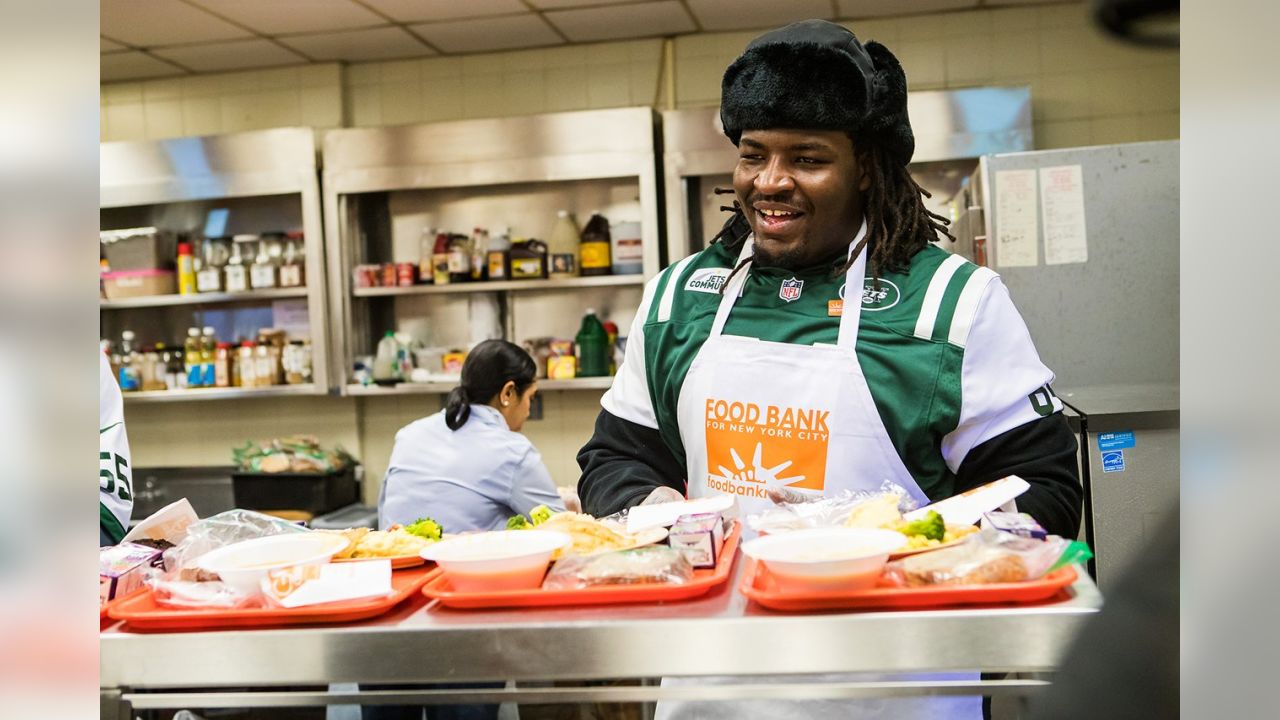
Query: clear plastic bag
point(653, 564)
point(830, 511)
point(184, 584)
point(988, 556)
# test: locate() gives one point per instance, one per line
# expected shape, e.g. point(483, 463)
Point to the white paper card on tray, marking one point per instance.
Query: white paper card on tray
point(968, 507)
point(168, 523)
point(643, 517)
point(341, 581)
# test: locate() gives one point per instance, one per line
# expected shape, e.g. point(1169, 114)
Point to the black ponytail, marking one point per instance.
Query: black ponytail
point(457, 408)
point(489, 367)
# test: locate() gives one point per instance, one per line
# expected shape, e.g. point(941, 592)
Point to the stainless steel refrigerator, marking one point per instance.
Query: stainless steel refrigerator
point(1089, 238)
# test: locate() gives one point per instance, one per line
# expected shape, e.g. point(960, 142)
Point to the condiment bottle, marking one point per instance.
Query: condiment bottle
point(594, 249)
point(562, 247)
point(209, 274)
point(222, 365)
point(440, 260)
point(263, 273)
point(497, 256)
point(479, 254)
point(593, 344)
point(528, 259)
point(191, 358)
point(293, 272)
point(264, 369)
point(208, 350)
point(130, 361)
point(459, 259)
point(248, 364)
point(186, 270)
point(235, 274)
point(426, 249)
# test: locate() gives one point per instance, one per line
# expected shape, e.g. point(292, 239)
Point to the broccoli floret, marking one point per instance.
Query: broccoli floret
point(930, 526)
point(424, 527)
point(540, 514)
point(518, 523)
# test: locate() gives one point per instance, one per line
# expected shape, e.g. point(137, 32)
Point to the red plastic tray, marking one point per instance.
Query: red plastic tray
point(758, 585)
point(438, 588)
point(142, 612)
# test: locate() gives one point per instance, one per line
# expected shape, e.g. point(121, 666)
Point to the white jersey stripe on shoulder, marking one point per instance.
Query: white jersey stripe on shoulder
point(669, 293)
point(933, 296)
point(967, 305)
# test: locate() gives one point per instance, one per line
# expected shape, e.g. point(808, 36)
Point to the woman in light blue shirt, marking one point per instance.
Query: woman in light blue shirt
point(468, 466)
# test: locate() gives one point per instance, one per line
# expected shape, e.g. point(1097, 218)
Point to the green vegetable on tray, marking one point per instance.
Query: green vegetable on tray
point(518, 522)
point(930, 526)
point(537, 516)
point(424, 527)
point(540, 514)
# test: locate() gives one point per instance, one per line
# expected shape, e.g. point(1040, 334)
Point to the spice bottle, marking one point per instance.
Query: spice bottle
point(222, 365)
point(440, 260)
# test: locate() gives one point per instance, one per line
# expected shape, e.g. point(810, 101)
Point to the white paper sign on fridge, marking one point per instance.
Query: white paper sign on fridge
point(1062, 201)
point(1018, 219)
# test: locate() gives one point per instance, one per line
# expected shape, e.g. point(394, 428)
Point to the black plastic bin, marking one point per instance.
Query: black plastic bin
point(311, 492)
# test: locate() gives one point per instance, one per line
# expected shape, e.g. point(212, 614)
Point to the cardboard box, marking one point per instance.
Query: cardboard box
point(139, 283)
point(123, 568)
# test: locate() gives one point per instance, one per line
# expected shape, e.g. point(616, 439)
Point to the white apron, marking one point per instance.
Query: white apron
point(756, 414)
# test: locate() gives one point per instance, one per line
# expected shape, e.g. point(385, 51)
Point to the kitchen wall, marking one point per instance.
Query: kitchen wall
point(1085, 89)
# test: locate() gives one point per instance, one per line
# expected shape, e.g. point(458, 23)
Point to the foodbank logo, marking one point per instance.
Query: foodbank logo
point(879, 298)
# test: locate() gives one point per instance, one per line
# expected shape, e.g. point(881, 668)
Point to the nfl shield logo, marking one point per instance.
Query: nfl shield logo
point(790, 289)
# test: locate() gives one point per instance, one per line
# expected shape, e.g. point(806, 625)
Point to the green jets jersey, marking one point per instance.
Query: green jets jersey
point(947, 358)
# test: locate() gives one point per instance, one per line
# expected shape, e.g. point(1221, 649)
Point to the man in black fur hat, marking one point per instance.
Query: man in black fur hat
point(822, 343)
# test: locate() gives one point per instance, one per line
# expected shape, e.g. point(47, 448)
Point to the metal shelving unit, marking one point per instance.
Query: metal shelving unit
point(269, 180)
point(503, 286)
point(439, 388)
point(382, 186)
point(252, 296)
point(229, 393)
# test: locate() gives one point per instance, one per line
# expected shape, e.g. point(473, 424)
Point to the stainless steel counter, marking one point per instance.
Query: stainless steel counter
point(719, 634)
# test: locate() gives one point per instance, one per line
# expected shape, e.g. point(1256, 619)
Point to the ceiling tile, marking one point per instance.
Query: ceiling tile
point(623, 21)
point(877, 8)
point(358, 45)
point(134, 65)
point(148, 23)
point(505, 33)
point(419, 10)
point(106, 45)
point(558, 4)
point(237, 55)
point(744, 14)
point(294, 16)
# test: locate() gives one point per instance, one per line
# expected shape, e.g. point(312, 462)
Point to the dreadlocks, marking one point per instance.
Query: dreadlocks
point(898, 223)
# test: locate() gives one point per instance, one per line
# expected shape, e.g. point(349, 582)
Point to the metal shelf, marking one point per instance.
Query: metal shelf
point(440, 388)
point(204, 298)
point(503, 286)
point(230, 393)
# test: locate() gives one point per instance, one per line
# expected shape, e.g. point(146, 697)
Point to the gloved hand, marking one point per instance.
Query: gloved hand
point(783, 495)
point(662, 494)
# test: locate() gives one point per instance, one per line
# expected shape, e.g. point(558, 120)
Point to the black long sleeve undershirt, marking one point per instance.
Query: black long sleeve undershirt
point(623, 462)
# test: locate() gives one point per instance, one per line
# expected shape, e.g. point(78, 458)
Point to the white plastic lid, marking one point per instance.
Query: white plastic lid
point(562, 213)
point(208, 330)
point(590, 311)
point(193, 332)
point(127, 335)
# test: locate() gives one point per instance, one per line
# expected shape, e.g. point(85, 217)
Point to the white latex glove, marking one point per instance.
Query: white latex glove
point(783, 495)
point(569, 496)
point(662, 494)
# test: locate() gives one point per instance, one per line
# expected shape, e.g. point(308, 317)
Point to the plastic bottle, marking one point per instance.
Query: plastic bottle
point(594, 251)
point(208, 351)
point(611, 346)
point(222, 365)
point(593, 347)
point(248, 364)
point(628, 249)
point(130, 363)
point(459, 259)
point(498, 256)
point(440, 260)
point(186, 270)
point(264, 365)
point(385, 363)
point(191, 358)
point(293, 271)
point(527, 259)
point(479, 254)
point(426, 249)
point(562, 247)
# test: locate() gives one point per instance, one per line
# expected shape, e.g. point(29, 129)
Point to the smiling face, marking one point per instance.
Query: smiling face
point(801, 191)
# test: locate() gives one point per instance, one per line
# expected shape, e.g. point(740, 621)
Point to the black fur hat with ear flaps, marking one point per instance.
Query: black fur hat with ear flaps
point(816, 75)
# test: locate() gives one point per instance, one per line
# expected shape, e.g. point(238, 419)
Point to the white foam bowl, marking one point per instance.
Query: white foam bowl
point(243, 565)
point(496, 561)
point(825, 559)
